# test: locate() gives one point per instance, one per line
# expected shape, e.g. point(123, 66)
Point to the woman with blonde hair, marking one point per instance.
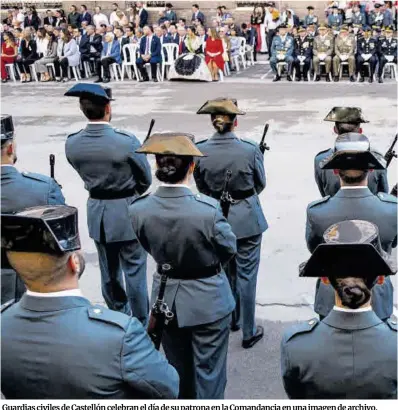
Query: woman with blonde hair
point(214, 53)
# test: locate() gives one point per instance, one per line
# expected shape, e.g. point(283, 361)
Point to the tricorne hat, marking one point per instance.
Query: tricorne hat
point(351, 249)
point(171, 143)
point(352, 151)
point(349, 115)
point(44, 229)
point(93, 92)
point(222, 106)
point(7, 128)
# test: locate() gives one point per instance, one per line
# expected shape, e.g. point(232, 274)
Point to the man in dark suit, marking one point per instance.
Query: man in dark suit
point(197, 15)
point(32, 19)
point(250, 34)
point(173, 35)
point(353, 161)
point(182, 34)
point(151, 52)
point(90, 46)
point(120, 37)
point(49, 20)
point(142, 13)
point(85, 15)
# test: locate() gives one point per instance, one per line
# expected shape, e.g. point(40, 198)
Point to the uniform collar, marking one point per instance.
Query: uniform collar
point(352, 321)
point(173, 192)
point(8, 169)
point(360, 310)
point(50, 304)
point(71, 292)
point(226, 136)
point(354, 193)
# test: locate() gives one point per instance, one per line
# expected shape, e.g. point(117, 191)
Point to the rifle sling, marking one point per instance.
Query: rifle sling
point(191, 273)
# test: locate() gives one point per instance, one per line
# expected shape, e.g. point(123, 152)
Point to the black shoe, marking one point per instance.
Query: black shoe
point(381, 81)
point(4, 80)
point(155, 80)
point(276, 78)
point(99, 80)
point(318, 78)
point(106, 80)
point(370, 79)
point(247, 344)
point(362, 79)
point(288, 78)
point(235, 328)
point(65, 80)
point(60, 80)
point(352, 79)
point(327, 78)
point(144, 80)
point(336, 79)
point(298, 79)
point(305, 78)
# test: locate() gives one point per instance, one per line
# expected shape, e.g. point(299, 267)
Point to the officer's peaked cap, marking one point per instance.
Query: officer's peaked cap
point(7, 128)
point(349, 115)
point(223, 106)
point(92, 92)
point(350, 249)
point(44, 229)
point(171, 143)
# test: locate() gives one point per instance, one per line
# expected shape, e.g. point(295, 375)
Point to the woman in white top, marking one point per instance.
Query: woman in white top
point(41, 42)
point(49, 55)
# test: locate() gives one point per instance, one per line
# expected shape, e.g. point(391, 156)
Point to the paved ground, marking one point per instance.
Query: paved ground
point(43, 119)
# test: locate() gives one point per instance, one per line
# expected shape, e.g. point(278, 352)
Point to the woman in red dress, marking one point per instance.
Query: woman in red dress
point(9, 51)
point(214, 52)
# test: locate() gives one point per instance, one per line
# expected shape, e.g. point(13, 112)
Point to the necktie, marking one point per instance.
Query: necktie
point(180, 46)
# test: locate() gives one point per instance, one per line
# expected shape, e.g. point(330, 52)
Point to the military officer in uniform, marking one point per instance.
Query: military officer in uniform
point(351, 354)
point(310, 18)
point(388, 51)
point(55, 344)
point(352, 160)
point(20, 190)
point(366, 53)
point(282, 51)
point(376, 17)
point(302, 53)
point(345, 119)
point(323, 50)
point(190, 241)
point(114, 175)
point(358, 18)
point(344, 48)
point(225, 151)
point(335, 20)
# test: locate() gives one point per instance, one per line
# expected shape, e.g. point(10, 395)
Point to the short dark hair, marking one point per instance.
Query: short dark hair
point(346, 127)
point(150, 27)
point(73, 6)
point(84, 6)
point(244, 26)
point(103, 25)
point(183, 20)
point(120, 28)
point(195, 5)
point(115, 4)
point(352, 180)
point(48, 11)
point(92, 110)
point(172, 168)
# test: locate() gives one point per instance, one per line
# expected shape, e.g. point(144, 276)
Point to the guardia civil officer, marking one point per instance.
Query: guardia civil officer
point(346, 119)
point(351, 354)
point(20, 190)
point(54, 343)
point(190, 241)
point(353, 162)
point(114, 175)
point(225, 151)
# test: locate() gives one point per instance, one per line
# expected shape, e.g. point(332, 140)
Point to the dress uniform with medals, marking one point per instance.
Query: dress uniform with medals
point(56, 345)
point(114, 175)
point(310, 18)
point(329, 183)
point(225, 151)
point(352, 152)
point(37, 189)
point(344, 49)
point(302, 53)
point(367, 53)
point(190, 240)
point(335, 20)
point(376, 17)
point(282, 51)
point(323, 51)
point(388, 51)
point(351, 354)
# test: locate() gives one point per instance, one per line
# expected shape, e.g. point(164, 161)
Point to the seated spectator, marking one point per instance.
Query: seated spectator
point(202, 36)
point(109, 29)
point(77, 35)
point(86, 16)
point(291, 19)
point(49, 56)
point(84, 27)
point(214, 53)
point(119, 34)
point(150, 52)
point(60, 18)
point(74, 17)
point(162, 17)
point(250, 34)
point(27, 55)
point(8, 20)
point(9, 52)
point(173, 35)
point(110, 55)
point(182, 23)
point(232, 26)
point(49, 20)
point(170, 13)
point(91, 46)
point(182, 32)
point(197, 15)
point(234, 44)
point(99, 18)
point(102, 30)
point(139, 35)
point(159, 32)
point(32, 19)
point(223, 33)
point(68, 55)
point(129, 32)
point(41, 42)
point(57, 32)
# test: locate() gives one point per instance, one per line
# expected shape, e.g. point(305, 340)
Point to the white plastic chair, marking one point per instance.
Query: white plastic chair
point(114, 70)
point(249, 51)
point(393, 67)
point(129, 60)
point(33, 72)
point(280, 66)
point(366, 64)
point(342, 64)
point(241, 55)
point(11, 71)
point(75, 71)
point(323, 64)
point(87, 69)
point(169, 53)
point(51, 67)
point(301, 65)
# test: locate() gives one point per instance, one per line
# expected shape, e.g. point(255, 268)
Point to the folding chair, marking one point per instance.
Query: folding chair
point(169, 55)
point(129, 60)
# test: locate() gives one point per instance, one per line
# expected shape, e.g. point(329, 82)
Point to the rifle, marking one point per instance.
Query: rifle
point(263, 145)
point(225, 199)
point(52, 168)
point(150, 129)
point(230, 268)
point(160, 313)
point(394, 191)
point(390, 154)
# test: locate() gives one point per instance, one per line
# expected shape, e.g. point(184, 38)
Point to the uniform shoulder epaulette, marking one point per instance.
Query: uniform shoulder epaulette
point(319, 201)
point(392, 323)
point(248, 141)
point(387, 197)
point(300, 328)
point(36, 177)
point(119, 131)
point(141, 197)
point(74, 133)
point(202, 141)
point(108, 316)
point(206, 200)
point(6, 305)
point(325, 151)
